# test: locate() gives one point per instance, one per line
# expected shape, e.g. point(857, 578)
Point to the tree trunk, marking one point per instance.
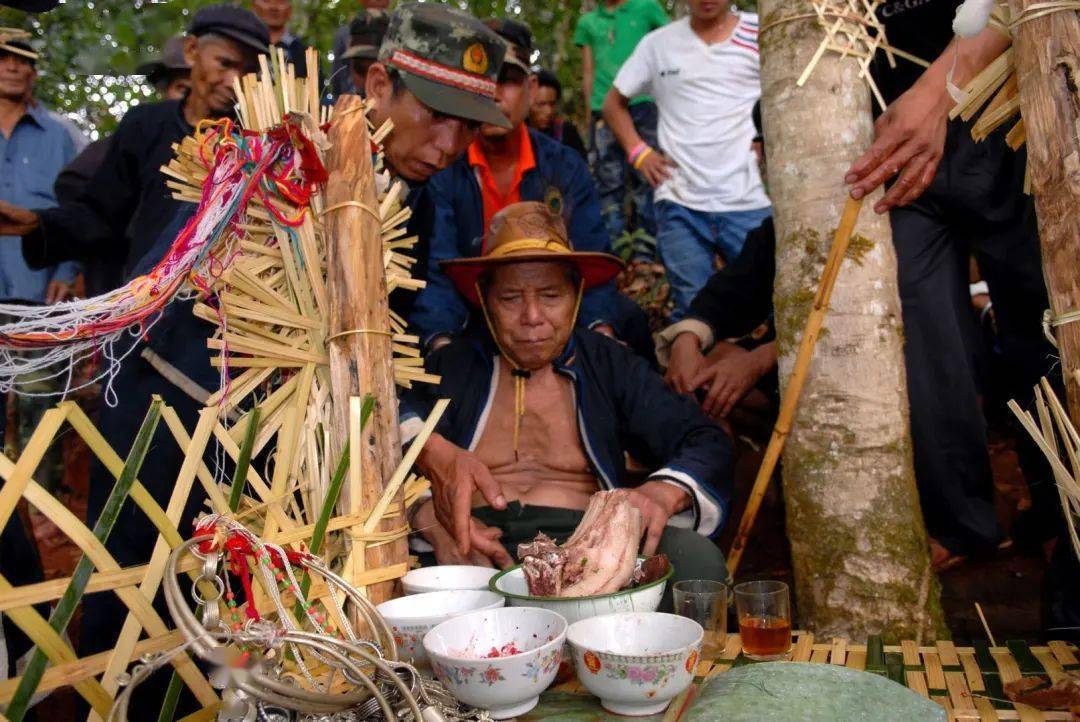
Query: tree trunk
point(858, 544)
point(361, 363)
point(1047, 57)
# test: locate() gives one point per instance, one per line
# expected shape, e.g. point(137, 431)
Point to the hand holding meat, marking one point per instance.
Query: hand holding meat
point(600, 557)
point(455, 474)
point(657, 502)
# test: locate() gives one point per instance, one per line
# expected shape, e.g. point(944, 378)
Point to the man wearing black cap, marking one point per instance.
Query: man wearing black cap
point(435, 80)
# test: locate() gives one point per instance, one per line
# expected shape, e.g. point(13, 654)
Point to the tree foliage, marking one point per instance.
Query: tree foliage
point(90, 48)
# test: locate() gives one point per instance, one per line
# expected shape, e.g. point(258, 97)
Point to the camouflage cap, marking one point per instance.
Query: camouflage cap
point(447, 59)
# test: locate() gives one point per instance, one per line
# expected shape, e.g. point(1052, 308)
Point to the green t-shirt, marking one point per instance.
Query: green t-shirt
point(613, 34)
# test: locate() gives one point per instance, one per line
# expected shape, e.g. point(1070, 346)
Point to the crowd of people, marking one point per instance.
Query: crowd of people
point(559, 385)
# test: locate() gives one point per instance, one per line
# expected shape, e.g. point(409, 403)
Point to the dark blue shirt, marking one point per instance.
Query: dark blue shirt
point(38, 149)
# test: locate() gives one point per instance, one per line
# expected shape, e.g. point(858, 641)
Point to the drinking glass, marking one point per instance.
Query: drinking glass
point(705, 601)
point(764, 613)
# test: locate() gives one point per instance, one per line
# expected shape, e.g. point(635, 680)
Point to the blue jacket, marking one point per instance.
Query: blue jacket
point(458, 232)
point(622, 405)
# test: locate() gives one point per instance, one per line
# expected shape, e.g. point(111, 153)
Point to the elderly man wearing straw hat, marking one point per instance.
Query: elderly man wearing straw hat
point(543, 414)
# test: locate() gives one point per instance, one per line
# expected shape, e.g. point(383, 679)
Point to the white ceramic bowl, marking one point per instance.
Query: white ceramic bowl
point(445, 578)
point(635, 662)
point(509, 685)
point(413, 616)
point(513, 586)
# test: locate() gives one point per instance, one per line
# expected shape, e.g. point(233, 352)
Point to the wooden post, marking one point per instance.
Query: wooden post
point(1047, 58)
point(361, 360)
point(859, 548)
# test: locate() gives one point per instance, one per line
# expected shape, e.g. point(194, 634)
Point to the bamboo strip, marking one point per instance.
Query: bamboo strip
point(50, 590)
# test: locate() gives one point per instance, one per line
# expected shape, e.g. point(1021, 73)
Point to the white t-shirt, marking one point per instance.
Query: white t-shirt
point(705, 95)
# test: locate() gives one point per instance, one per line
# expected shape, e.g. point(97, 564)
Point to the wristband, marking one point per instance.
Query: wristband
point(641, 158)
point(636, 151)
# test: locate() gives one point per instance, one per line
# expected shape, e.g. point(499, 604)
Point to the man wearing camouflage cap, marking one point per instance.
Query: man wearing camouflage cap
point(435, 80)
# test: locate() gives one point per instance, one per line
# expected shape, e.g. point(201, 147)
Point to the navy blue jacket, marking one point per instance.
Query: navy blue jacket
point(622, 406)
point(458, 232)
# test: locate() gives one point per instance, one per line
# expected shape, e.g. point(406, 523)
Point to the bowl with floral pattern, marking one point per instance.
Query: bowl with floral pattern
point(635, 662)
point(413, 616)
point(498, 659)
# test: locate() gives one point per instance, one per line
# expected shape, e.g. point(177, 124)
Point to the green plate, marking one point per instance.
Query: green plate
point(802, 692)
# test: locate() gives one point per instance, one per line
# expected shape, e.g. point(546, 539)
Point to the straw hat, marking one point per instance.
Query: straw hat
point(524, 232)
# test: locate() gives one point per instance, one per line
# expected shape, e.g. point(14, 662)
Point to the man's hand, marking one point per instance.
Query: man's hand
point(728, 379)
point(487, 553)
point(455, 473)
point(58, 291)
point(15, 220)
point(657, 502)
point(910, 140)
point(656, 168)
point(685, 363)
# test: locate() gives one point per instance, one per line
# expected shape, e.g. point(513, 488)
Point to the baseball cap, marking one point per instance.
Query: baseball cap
point(234, 23)
point(447, 59)
point(366, 33)
point(16, 42)
point(519, 41)
point(172, 59)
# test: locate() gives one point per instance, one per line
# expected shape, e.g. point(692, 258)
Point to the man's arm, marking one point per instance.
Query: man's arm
point(694, 455)
point(910, 134)
point(635, 78)
point(734, 301)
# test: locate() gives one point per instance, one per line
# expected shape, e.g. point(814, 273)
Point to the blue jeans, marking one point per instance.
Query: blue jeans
point(615, 178)
point(689, 240)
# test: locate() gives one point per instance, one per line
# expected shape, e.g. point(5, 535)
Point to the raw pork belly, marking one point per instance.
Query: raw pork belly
point(599, 558)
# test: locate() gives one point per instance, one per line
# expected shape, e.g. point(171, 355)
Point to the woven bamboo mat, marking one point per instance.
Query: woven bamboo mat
point(966, 681)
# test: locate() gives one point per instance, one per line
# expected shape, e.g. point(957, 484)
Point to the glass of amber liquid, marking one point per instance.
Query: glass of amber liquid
point(764, 613)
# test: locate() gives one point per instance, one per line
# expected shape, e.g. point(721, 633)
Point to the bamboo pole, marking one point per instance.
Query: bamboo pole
point(1047, 57)
point(790, 398)
point(360, 343)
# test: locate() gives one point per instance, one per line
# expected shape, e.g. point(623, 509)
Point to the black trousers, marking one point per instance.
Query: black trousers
point(975, 205)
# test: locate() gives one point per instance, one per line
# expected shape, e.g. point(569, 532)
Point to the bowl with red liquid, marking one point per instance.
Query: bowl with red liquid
point(498, 659)
point(763, 609)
